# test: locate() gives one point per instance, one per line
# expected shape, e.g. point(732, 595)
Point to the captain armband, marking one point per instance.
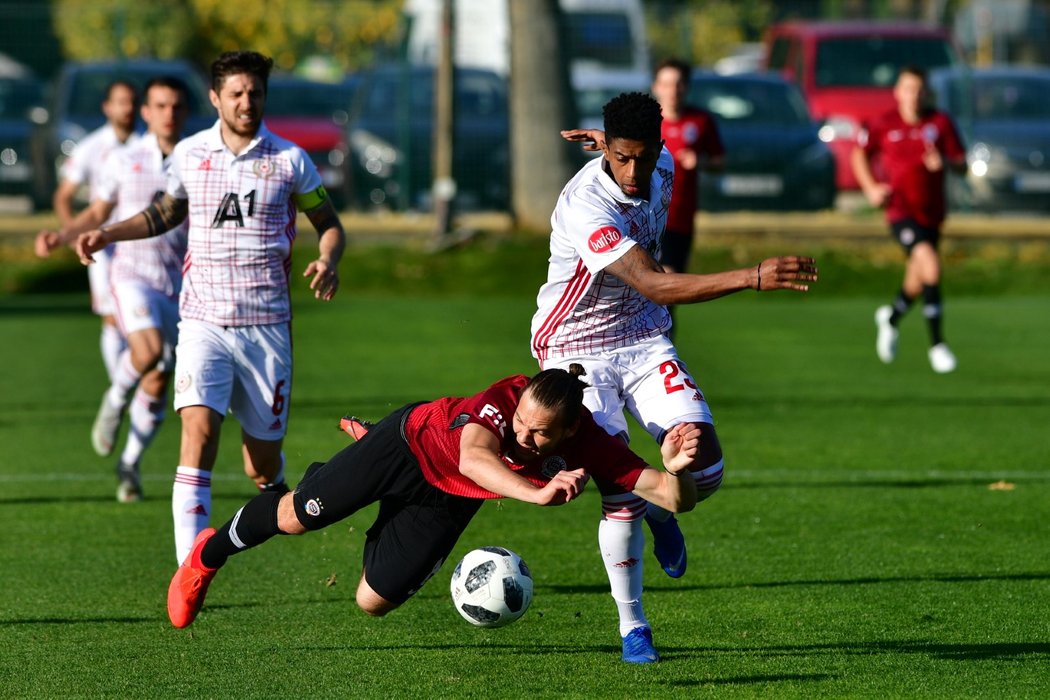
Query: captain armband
point(310, 200)
point(165, 214)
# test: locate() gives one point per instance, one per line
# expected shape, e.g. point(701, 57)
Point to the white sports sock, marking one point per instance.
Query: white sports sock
point(146, 414)
point(123, 380)
point(111, 343)
point(621, 543)
point(190, 507)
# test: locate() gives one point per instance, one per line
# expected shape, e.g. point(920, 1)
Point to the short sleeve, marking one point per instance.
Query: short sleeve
point(869, 138)
point(592, 228)
point(495, 407)
point(108, 186)
point(174, 183)
point(77, 168)
point(954, 150)
point(307, 179)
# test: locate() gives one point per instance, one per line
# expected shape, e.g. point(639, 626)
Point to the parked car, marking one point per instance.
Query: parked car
point(75, 109)
point(774, 159)
point(846, 71)
point(20, 97)
point(391, 135)
point(314, 115)
point(1003, 114)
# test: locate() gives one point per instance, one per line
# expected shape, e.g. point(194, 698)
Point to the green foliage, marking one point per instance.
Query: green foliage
point(703, 31)
point(289, 30)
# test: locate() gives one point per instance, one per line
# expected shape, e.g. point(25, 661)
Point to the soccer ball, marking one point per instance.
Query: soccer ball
point(491, 587)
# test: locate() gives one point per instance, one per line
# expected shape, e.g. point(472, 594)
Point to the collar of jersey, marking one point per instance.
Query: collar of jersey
point(215, 142)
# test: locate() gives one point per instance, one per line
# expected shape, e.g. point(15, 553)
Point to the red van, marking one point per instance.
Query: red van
point(846, 71)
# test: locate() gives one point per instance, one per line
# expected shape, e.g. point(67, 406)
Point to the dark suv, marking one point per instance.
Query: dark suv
point(20, 99)
point(75, 109)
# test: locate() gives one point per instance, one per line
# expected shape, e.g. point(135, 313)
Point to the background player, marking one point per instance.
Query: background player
point(604, 307)
point(145, 278)
point(240, 185)
point(430, 466)
point(691, 136)
point(912, 144)
point(84, 166)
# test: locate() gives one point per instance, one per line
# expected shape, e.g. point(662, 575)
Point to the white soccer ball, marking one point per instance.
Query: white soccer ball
point(491, 587)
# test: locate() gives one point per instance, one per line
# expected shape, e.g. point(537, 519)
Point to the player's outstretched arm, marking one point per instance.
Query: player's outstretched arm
point(332, 243)
point(91, 217)
point(639, 270)
point(675, 492)
point(162, 215)
point(479, 461)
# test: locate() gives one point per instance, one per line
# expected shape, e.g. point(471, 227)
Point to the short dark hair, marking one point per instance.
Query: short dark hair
point(236, 62)
point(560, 391)
point(120, 82)
point(632, 115)
point(166, 81)
point(916, 70)
point(677, 64)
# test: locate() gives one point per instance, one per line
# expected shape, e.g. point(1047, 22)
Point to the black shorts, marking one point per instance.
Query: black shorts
point(418, 524)
point(908, 233)
point(675, 250)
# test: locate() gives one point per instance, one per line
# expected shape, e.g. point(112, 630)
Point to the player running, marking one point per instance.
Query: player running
point(430, 466)
point(913, 144)
point(145, 278)
point(604, 306)
point(240, 185)
point(84, 166)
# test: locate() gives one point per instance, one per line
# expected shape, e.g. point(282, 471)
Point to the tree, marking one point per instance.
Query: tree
point(541, 105)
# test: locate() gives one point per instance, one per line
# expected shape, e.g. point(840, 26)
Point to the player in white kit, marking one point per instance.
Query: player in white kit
point(145, 278)
point(240, 186)
point(84, 166)
point(604, 307)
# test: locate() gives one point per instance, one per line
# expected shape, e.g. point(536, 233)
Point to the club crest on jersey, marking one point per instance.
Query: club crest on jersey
point(604, 239)
point(263, 168)
point(553, 465)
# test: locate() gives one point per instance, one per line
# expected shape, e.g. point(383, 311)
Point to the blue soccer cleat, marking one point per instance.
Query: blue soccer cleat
point(638, 647)
point(668, 545)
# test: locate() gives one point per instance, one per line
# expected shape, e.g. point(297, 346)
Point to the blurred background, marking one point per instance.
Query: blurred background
point(790, 82)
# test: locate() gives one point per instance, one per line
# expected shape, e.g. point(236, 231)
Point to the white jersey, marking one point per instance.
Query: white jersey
point(583, 310)
point(88, 159)
point(242, 225)
point(133, 178)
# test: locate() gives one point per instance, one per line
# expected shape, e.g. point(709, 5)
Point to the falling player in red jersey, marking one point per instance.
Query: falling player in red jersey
point(431, 466)
point(913, 145)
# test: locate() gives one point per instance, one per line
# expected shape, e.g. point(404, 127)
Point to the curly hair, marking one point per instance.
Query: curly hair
point(235, 62)
point(632, 115)
point(560, 391)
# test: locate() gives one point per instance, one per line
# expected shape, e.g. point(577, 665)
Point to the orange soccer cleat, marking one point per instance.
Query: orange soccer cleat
point(189, 585)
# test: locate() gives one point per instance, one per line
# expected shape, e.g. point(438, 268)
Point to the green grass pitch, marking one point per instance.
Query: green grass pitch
point(856, 548)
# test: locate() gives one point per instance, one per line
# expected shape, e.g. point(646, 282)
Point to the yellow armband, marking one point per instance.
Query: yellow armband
point(310, 200)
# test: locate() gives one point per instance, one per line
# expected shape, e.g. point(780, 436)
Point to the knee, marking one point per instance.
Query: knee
point(370, 602)
point(287, 520)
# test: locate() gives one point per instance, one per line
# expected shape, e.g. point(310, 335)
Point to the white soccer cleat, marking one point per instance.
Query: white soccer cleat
point(942, 359)
point(105, 429)
point(886, 342)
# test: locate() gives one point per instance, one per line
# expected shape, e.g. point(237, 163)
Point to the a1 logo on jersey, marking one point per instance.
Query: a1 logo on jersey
point(230, 209)
point(604, 239)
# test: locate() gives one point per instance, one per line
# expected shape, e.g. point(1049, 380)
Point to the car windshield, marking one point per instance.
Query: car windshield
point(875, 61)
point(750, 101)
point(89, 90)
point(477, 95)
point(307, 98)
point(17, 97)
point(601, 37)
point(1001, 97)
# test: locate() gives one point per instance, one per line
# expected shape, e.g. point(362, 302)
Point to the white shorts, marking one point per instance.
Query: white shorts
point(98, 283)
point(140, 307)
point(246, 370)
point(648, 379)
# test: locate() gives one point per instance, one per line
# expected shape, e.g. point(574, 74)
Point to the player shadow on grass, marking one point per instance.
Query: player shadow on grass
point(48, 500)
point(861, 581)
point(77, 620)
point(1002, 651)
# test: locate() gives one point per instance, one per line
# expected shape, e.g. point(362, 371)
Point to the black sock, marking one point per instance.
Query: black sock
point(931, 299)
point(253, 524)
point(900, 307)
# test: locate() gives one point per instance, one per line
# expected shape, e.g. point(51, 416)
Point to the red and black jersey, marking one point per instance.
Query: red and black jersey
point(917, 193)
point(433, 431)
point(696, 130)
